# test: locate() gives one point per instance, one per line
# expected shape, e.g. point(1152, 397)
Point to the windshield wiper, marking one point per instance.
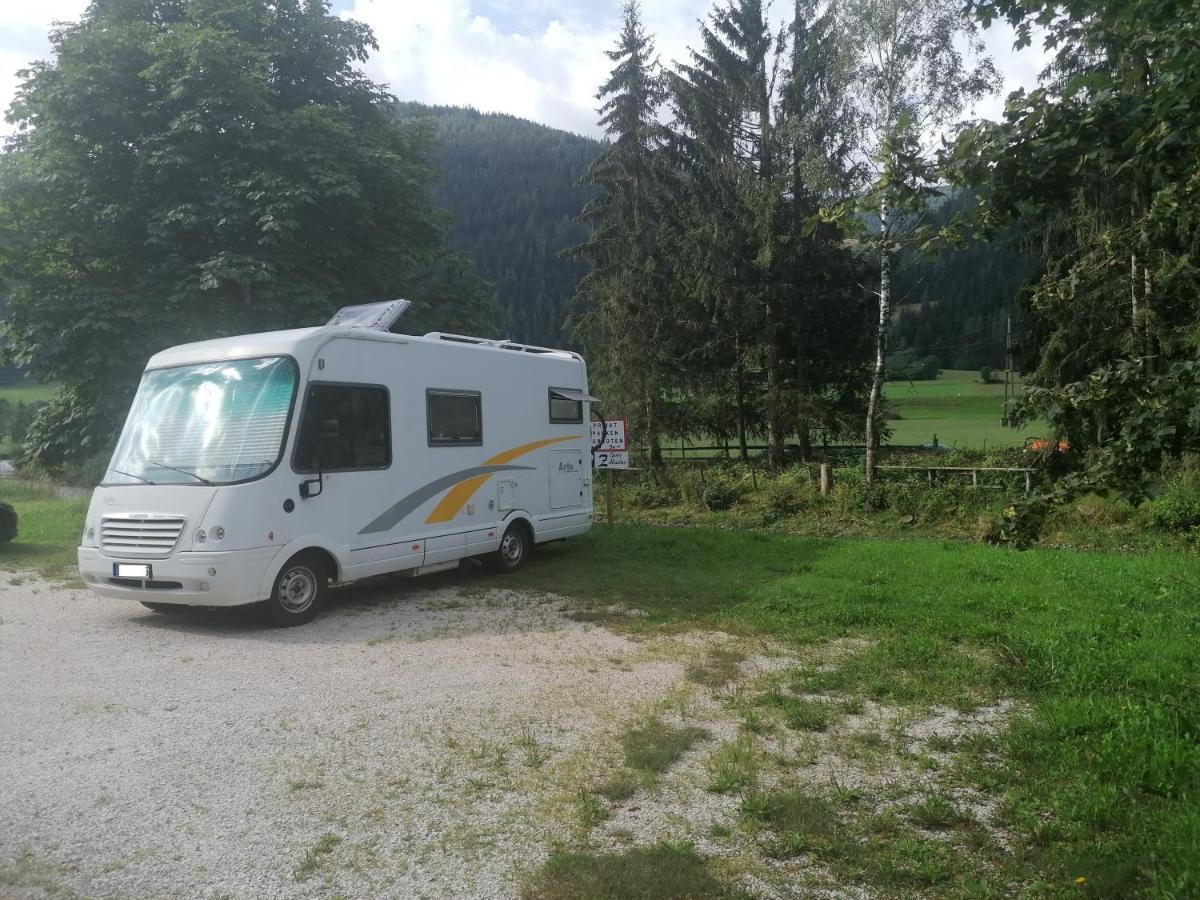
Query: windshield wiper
point(131, 475)
point(199, 478)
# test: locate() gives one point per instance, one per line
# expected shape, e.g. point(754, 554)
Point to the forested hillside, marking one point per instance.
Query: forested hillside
point(954, 306)
point(513, 188)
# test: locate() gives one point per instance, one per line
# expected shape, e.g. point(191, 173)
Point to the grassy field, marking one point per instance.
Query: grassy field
point(1096, 786)
point(26, 392)
point(48, 529)
point(957, 408)
point(1092, 783)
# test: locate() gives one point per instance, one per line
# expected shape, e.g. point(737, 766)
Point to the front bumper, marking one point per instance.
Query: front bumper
point(224, 578)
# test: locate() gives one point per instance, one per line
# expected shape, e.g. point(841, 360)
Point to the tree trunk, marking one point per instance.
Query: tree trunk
point(653, 438)
point(803, 429)
point(739, 399)
point(774, 405)
point(881, 341)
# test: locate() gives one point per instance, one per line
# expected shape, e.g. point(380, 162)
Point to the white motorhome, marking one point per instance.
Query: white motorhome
point(262, 468)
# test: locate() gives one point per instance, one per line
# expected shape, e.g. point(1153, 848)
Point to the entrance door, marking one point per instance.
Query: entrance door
point(566, 479)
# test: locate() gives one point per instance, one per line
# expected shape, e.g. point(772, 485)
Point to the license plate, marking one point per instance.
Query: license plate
point(131, 570)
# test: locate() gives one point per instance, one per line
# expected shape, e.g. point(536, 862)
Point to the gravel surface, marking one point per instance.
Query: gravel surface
point(409, 743)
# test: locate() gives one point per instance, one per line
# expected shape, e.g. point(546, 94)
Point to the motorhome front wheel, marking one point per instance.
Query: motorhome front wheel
point(299, 592)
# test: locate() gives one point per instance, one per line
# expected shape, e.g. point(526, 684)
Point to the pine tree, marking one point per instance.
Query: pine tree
point(624, 322)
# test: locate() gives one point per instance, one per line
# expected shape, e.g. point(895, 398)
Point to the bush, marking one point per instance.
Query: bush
point(789, 494)
point(8, 523)
point(1178, 506)
point(720, 493)
point(986, 376)
point(651, 495)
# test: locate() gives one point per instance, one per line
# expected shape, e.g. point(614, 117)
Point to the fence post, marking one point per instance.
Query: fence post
point(1028, 481)
point(974, 478)
point(826, 479)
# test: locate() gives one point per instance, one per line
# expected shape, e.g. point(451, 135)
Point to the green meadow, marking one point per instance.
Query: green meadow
point(957, 409)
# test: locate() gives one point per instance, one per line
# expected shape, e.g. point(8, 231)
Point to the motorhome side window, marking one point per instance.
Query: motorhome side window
point(455, 418)
point(563, 410)
point(344, 427)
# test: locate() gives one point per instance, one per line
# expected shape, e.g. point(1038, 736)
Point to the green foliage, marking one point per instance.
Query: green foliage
point(1177, 508)
point(790, 493)
point(1101, 160)
point(986, 376)
point(187, 171)
point(8, 523)
point(720, 493)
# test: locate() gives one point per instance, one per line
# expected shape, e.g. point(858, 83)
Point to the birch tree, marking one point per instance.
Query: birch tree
point(920, 66)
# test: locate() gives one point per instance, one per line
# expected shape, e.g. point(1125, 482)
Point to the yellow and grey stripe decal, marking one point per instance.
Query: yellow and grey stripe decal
point(463, 485)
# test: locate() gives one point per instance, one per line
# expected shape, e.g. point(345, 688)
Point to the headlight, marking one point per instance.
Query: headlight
point(88, 538)
point(218, 533)
point(200, 537)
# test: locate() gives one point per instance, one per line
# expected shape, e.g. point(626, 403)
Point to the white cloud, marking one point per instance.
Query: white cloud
point(24, 38)
point(539, 59)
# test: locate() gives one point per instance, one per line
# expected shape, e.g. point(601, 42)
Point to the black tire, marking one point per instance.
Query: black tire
point(8, 523)
point(515, 547)
point(162, 607)
point(299, 592)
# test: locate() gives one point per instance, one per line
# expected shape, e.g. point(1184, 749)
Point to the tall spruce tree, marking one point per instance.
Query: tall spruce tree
point(818, 137)
point(726, 112)
point(623, 322)
point(764, 138)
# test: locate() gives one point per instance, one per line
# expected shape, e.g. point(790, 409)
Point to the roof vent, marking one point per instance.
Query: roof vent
point(375, 316)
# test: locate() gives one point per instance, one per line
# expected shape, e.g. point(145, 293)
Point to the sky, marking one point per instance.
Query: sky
point(537, 59)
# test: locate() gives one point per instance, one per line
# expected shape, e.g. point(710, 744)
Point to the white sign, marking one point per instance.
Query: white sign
point(613, 436)
point(610, 459)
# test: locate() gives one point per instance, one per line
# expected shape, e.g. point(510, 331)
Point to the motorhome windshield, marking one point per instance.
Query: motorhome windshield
point(214, 423)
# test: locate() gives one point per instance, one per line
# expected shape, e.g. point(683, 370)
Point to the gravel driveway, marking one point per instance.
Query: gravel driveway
point(410, 742)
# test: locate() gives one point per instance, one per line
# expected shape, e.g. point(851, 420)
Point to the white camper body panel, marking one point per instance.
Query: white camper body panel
point(430, 504)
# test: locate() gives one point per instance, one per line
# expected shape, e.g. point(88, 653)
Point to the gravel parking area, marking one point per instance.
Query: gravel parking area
point(411, 742)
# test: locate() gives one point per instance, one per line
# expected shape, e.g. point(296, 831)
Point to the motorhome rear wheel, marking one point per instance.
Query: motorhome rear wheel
point(514, 549)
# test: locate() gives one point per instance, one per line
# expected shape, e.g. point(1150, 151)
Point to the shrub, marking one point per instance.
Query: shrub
point(1176, 510)
point(720, 493)
point(8, 523)
point(651, 495)
point(986, 376)
point(789, 494)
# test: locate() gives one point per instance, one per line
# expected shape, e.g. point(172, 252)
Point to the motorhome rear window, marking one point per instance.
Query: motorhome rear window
point(563, 410)
point(343, 428)
point(455, 418)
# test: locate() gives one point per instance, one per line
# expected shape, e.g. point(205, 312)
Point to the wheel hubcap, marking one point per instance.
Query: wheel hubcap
point(511, 548)
point(297, 589)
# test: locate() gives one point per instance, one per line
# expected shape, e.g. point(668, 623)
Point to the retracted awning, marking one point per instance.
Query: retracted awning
point(573, 395)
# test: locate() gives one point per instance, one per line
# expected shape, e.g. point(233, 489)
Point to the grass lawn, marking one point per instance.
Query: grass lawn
point(22, 392)
point(957, 408)
point(48, 529)
point(1097, 786)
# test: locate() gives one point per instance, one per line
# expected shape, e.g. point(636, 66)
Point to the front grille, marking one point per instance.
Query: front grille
point(147, 585)
point(139, 534)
